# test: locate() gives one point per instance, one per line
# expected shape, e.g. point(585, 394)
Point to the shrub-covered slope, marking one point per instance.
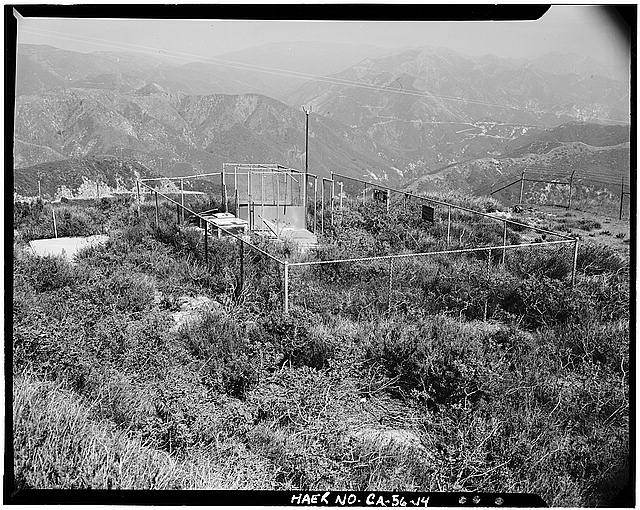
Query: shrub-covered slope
point(509, 383)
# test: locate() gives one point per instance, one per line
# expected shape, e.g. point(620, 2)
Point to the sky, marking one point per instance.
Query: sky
point(584, 30)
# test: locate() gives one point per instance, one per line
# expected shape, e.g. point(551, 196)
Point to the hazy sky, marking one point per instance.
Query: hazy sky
point(585, 30)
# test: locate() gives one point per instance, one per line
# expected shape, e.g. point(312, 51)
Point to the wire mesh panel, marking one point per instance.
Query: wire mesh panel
point(233, 265)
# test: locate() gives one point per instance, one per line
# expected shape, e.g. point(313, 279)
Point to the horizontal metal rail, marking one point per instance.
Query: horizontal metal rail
point(216, 226)
point(506, 186)
point(178, 178)
point(545, 180)
point(423, 254)
point(462, 208)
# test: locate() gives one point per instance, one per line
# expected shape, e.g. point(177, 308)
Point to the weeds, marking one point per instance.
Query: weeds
point(466, 376)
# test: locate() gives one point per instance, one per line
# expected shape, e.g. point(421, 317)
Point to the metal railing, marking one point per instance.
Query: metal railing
point(328, 210)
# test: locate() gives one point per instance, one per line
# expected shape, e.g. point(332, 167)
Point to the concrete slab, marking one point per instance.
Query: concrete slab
point(65, 246)
point(300, 236)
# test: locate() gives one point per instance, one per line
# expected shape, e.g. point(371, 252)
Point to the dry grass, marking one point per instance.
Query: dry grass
point(426, 396)
point(60, 444)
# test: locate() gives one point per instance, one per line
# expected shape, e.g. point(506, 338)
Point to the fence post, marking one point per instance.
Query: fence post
point(223, 191)
point(182, 197)
point(486, 298)
point(206, 243)
point(322, 212)
point(575, 263)
point(333, 185)
point(97, 190)
point(521, 187)
point(570, 188)
point(364, 193)
point(236, 203)
point(449, 227)
point(157, 220)
point(621, 198)
point(388, 198)
point(262, 195)
point(40, 190)
point(55, 227)
point(241, 271)
point(341, 210)
point(286, 287)
point(277, 197)
point(315, 204)
point(139, 199)
point(390, 285)
point(504, 242)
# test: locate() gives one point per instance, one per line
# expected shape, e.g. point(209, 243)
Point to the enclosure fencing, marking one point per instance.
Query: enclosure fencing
point(487, 252)
point(570, 182)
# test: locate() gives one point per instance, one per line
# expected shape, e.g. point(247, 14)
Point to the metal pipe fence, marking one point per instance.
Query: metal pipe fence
point(455, 238)
point(249, 272)
point(570, 188)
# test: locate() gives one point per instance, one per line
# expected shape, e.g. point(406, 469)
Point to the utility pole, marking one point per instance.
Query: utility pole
point(570, 187)
point(307, 111)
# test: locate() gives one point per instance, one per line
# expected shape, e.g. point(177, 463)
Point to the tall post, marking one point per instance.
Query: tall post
point(333, 186)
point(206, 243)
point(341, 210)
point(387, 200)
point(486, 298)
point(236, 203)
point(277, 197)
point(55, 227)
point(157, 219)
point(240, 285)
point(315, 204)
point(521, 187)
point(39, 190)
point(504, 241)
point(570, 188)
point(182, 197)
point(306, 111)
point(262, 195)
point(235, 180)
point(449, 227)
point(621, 197)
point(224, 190)
point(97, 190)
point(138, 192)
point(248, 191)
point(390, 285)
point(286, 288)
point(322, 211)
point(575, 263)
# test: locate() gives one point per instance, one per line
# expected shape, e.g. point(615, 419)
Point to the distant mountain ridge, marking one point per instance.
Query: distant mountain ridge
point(42, 68)
point(180, 134)
point(599, 157)
point(446, 121)
point(446, 107)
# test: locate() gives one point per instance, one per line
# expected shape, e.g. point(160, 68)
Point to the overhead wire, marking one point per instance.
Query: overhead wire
point(277, 71)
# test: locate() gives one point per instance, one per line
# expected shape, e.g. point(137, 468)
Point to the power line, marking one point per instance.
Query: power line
point(272, 70)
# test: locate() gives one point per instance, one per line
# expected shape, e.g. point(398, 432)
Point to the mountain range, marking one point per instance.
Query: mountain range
point(416, 116)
